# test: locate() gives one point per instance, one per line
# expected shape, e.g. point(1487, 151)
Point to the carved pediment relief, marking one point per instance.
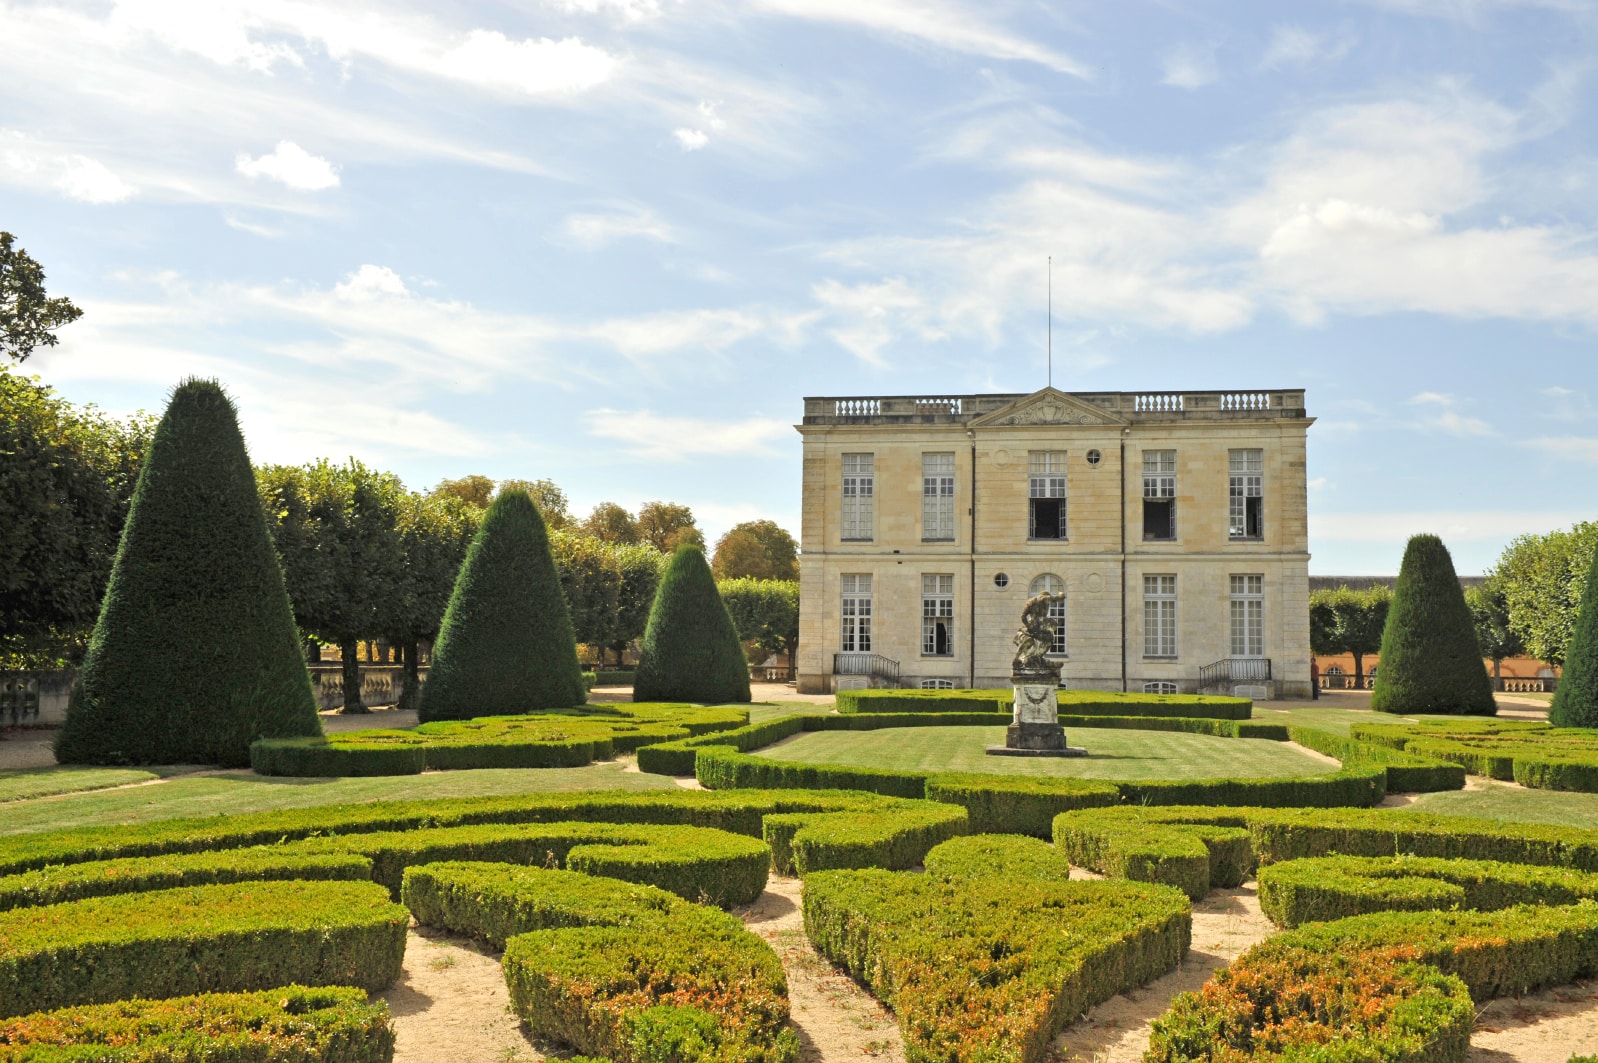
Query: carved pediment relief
point(1047, 407)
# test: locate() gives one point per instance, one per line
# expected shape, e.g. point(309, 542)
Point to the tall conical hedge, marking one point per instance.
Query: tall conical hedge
point(690, 650)
point(506, 644)
point(1576, 698)
point(195, 654)
point(1430, 659)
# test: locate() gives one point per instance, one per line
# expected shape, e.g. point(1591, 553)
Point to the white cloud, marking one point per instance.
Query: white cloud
point(691, 139)
point(867, 317)
point(1443, 415)
point(292, 165)
point(626, 10)
point(952, 26)
point(1383, 526)
point(370, 282)
point(88, 180)
point(1190, 66)
point(1318, 484)
point(231, 31)
point(592, 230)
point(649, 335)
point(1299, 46)
point(1573, 448)
point(664, 438)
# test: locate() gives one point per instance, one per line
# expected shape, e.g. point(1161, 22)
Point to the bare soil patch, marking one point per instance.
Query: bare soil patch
point(451, 1004)
point(1225, 923)
point(836, 1019)
point(1546, 1027)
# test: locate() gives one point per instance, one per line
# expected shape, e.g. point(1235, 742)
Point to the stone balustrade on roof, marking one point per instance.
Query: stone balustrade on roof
point(1130, 406)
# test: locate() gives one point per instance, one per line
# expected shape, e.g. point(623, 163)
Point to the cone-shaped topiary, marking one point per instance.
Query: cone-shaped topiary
point(506, 645)
point(1576, 698)
point(690, 650)
point(1430, 659)
point(195, 654)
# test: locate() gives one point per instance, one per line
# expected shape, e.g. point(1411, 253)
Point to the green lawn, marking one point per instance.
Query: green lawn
point(761, 711)
point(232, 793)
point(1508, 802)
point(24, 783)
point(1112, 754)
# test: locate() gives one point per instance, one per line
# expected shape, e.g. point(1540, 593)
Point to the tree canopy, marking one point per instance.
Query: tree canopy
point(766, 612)
point(756, 549)
point(1489, 611)
point(475, 489)
point(1542, 578)
point(1576, 698)
point(551, 501)
point(65, 482)
point(29, 317)
point(611, 523)
point(667, 525)
point(195, 653)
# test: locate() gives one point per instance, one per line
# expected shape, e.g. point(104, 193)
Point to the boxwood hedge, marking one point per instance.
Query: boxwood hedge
point(1531, 754)
point(988, 968)
point(802, 843)
point(290, 1024)
point(741, 812)
point(1320, 889)
point(140, 874)
point(619, 971)
point(1072, 702)
point(693, 862)
point(1180, 845)
point(561, 739)
point(198, 939)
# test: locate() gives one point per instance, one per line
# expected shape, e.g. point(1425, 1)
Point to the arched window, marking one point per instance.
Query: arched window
point(1049, 583)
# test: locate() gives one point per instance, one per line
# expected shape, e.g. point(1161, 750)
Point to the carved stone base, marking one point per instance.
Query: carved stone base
point(1035, 740)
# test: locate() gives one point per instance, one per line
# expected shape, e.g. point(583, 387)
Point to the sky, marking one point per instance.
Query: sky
point(614, 242)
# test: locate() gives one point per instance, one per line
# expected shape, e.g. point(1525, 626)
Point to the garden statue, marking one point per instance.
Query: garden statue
point(1035, 729)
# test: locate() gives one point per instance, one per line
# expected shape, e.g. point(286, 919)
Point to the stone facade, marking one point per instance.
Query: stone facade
point(995, 442)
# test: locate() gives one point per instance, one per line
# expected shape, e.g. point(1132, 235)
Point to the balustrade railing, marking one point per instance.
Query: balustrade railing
point(857, 407)
point(870, 664)
point(1164, 402)
point(1235, 670)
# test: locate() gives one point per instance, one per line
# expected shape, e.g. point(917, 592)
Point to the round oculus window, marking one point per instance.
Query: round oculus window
point(1001, 581)
point(1094, 457)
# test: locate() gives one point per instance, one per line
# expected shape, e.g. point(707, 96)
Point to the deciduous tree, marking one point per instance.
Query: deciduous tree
point(611, 523)
point(29, 317)
point(337, 529)
point(1489, 611)
point(766, 612)
point(551, 501)
point(667, 525)
point(476, 489)
point(1576, 699)
point(435, 532)
point(66, 475)
point(757, 549)
point(1543, 577)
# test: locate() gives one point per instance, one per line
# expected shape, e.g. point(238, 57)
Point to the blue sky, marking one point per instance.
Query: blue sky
point(614, 242)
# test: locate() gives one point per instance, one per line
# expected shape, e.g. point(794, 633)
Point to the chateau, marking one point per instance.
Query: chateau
point(1173, 522)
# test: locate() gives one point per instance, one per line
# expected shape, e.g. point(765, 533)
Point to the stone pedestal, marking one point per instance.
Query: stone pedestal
point(1035, 729)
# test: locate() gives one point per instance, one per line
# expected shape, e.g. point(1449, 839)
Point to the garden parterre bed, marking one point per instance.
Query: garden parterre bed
point(1532, 754)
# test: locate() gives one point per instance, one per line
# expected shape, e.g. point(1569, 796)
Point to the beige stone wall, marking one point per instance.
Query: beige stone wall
point(1090, 561)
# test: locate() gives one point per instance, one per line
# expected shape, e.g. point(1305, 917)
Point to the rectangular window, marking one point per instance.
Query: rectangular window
point(859, 491)
point(1159, 495)
point(937, 616)
point(1248, 616)
point(1159, 688)
point(856, 614)
point(1046, 494)
point(937, 684)
point(937, 496)
point(1159, 616)
point(1247, 489)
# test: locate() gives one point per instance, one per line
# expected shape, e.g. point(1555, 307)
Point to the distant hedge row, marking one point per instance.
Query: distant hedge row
point(562, 739)
point(1074, 702)
point(1532, 754)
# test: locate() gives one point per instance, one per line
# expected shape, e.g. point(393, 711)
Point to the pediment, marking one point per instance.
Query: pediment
point(1049, 406)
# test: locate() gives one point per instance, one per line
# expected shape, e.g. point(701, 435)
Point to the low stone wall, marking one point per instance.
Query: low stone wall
point(35, 697)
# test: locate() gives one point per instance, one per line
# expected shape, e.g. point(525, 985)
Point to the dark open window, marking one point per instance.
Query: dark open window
point(1159, 518)
point(1253, 524)
point(1048, 518)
